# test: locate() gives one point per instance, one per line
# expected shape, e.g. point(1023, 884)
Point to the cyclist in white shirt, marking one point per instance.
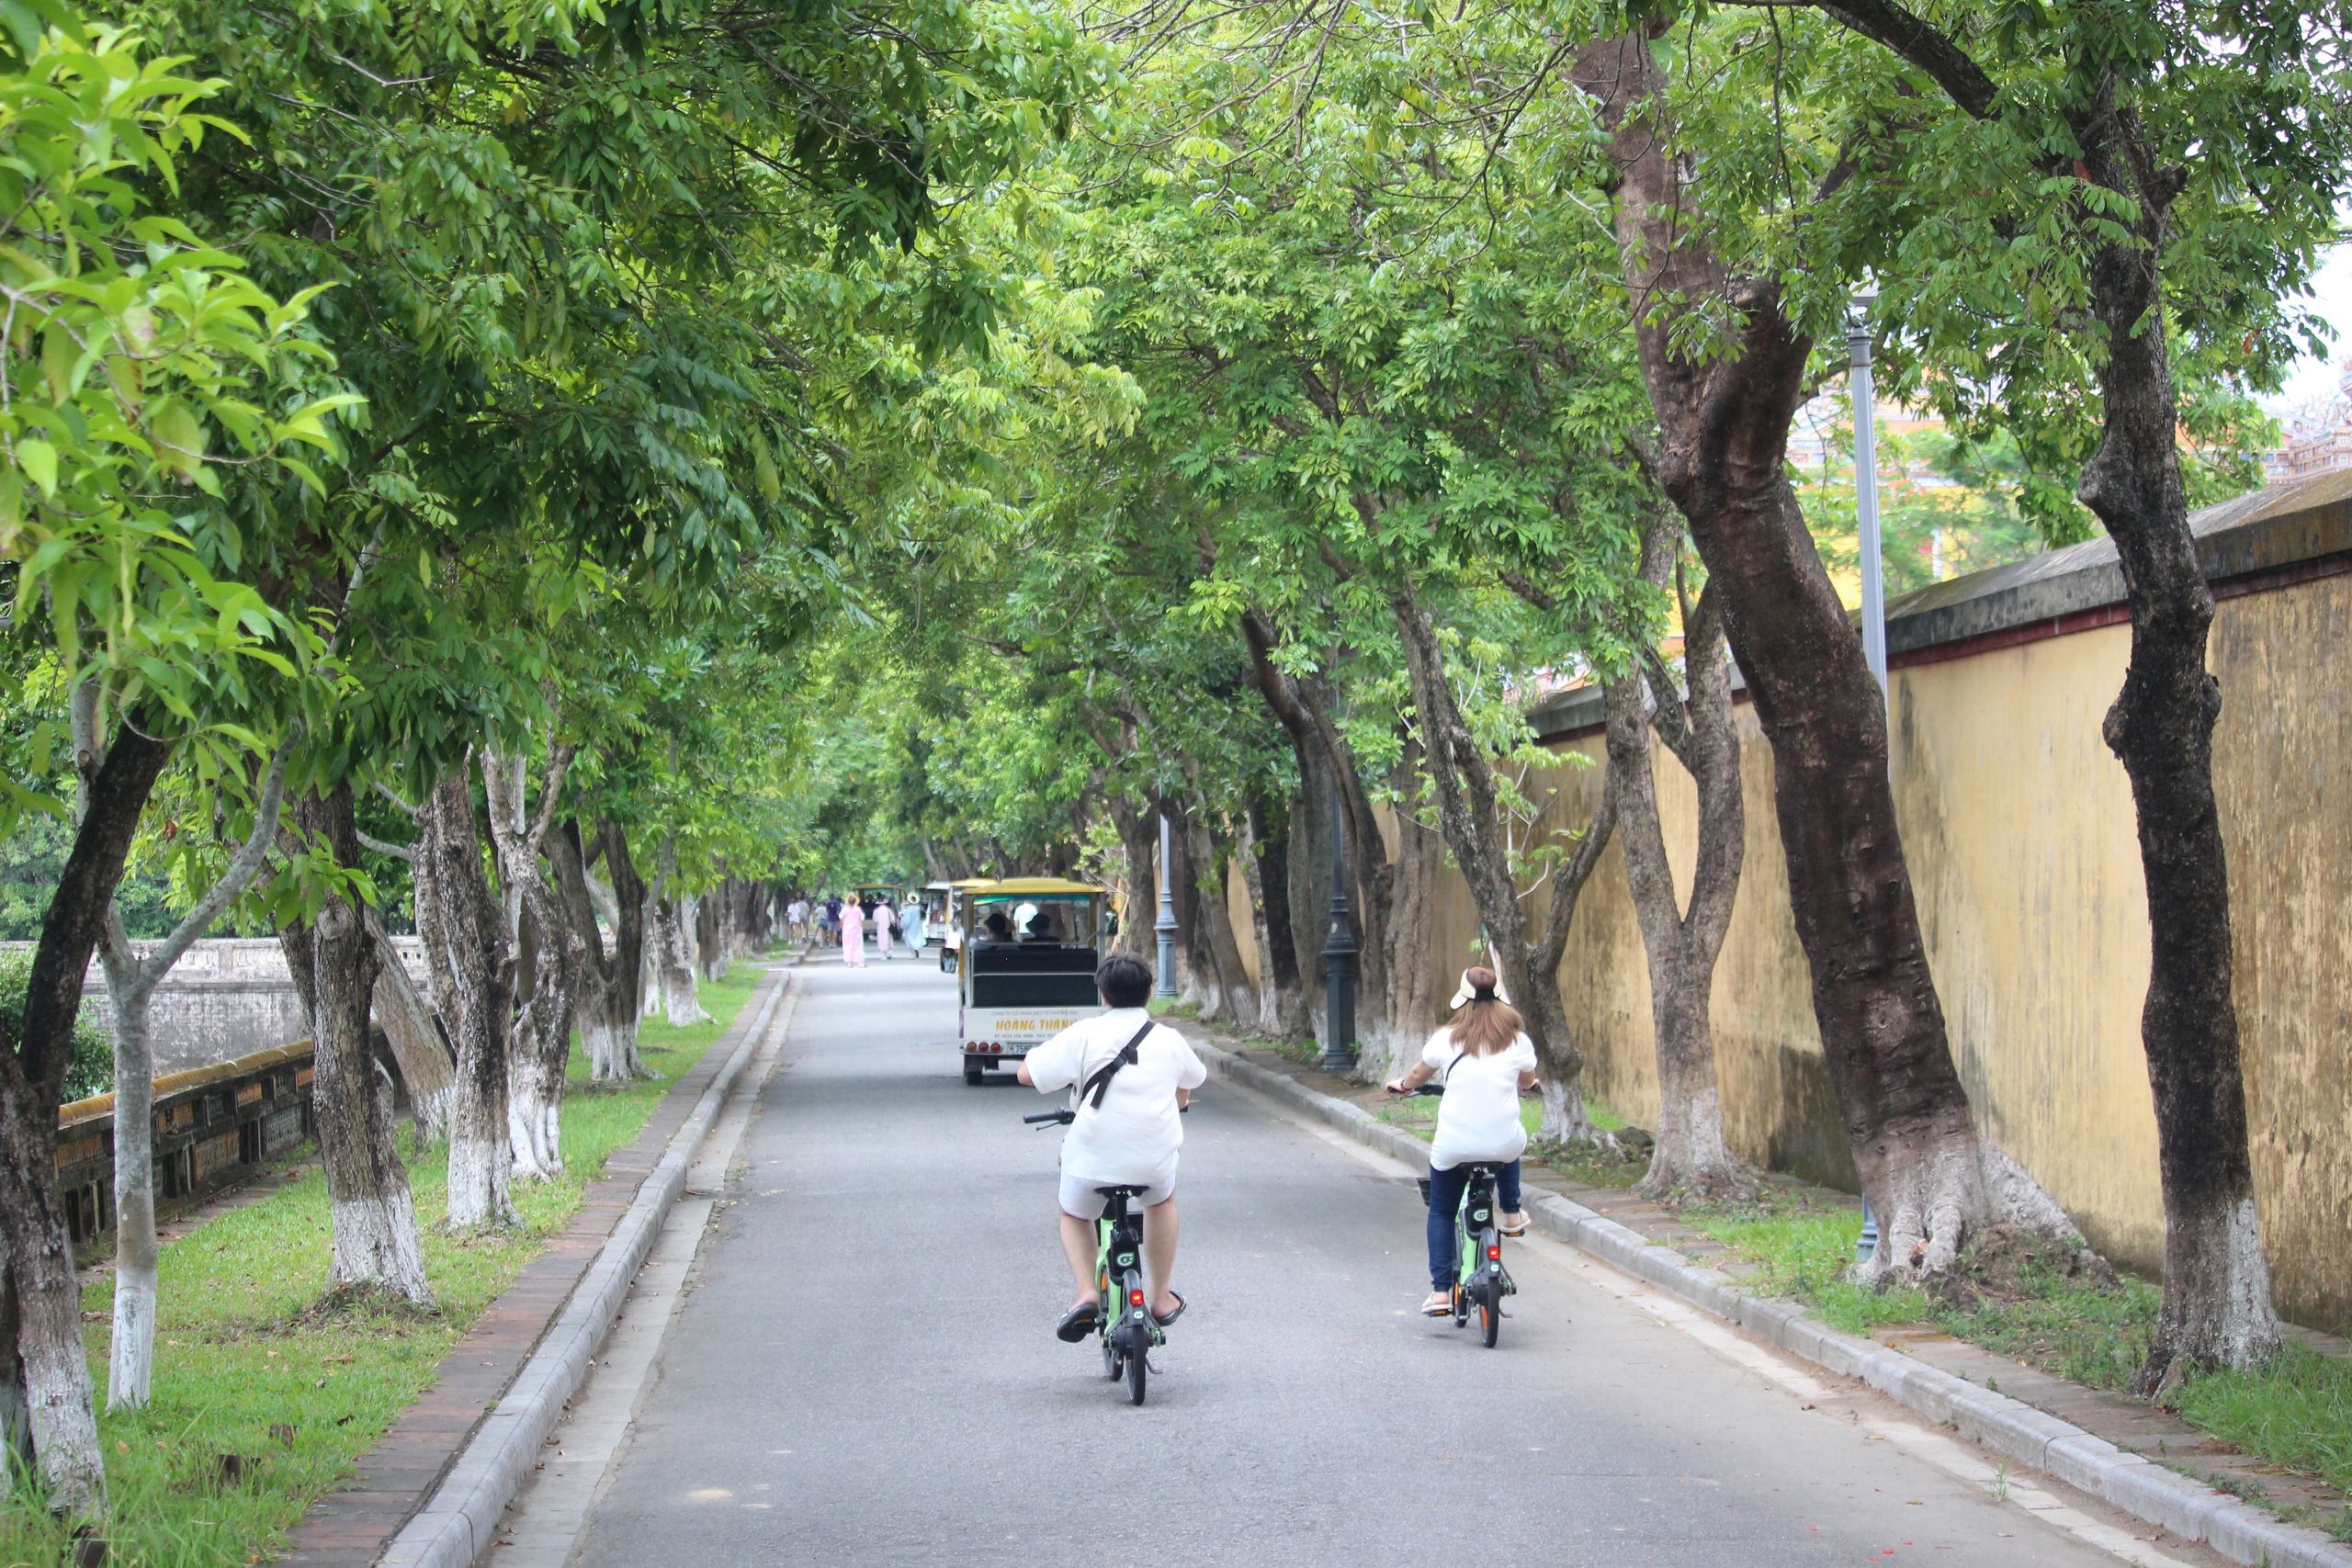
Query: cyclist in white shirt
point(1486, 1062)
point(1132, 1077)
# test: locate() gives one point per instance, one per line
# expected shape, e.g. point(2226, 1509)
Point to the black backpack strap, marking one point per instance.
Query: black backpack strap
point(1100, 1084)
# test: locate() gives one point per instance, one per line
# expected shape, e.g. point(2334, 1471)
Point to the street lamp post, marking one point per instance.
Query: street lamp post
point(1865, 399)
point(1340, 954)
point(1166, 924)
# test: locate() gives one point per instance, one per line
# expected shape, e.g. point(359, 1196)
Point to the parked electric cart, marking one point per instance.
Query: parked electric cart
point(1029, 948)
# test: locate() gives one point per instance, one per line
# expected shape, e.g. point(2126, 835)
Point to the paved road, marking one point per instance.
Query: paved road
point(862, 1374)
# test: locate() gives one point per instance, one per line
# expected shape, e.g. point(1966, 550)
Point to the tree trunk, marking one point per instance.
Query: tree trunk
point(710, 955)
point(1691, 1160)
point(478, 1005)
point(604, 1004)
point(1282, 1003)
point(332, 962)
point(1402, 983)
point(1211, 855)
point(426, 1071)
point(131, 980)
point(1309, 878)
point(1470, 817)
point(649, 952)
point(1139, 836)
point(1196, 974)
point(674, 958)
point(2217, 1310)
point(1390, 904)
point(541, 1045)
point(1724, 418)
point(52, 1370)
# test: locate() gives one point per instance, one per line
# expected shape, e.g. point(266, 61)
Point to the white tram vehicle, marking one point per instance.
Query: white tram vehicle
point(1029, 948)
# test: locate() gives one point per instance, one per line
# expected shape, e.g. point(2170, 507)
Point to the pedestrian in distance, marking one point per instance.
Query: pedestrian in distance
point(1486, 1061)
point(1131, 1079)
point(913, 927)
point(853, 936)
point(831, 918)
point(883, 917)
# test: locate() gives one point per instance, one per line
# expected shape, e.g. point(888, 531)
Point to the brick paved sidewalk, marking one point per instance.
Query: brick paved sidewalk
point(350, 1528)
point(2131, 1424)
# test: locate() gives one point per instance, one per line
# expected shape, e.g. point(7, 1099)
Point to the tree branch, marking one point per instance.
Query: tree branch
point(143, 975)
point(398, 851)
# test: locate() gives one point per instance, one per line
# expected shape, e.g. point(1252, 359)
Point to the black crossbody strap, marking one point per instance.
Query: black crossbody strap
point(1100, 1084)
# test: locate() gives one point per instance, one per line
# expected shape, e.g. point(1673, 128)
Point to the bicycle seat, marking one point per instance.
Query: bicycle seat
point(1123, 1191)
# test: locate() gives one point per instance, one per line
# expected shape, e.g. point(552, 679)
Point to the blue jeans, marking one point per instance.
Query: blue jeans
point(1445, 1205)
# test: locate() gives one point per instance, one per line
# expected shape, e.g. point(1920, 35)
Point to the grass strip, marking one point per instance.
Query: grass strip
point(247, 1362)
point(2296, 1414)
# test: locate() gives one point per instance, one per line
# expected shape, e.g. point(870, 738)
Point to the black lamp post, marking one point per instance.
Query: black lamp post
point(1340, 954)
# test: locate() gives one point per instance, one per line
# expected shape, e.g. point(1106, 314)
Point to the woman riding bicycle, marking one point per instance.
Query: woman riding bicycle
point(1485, 1060)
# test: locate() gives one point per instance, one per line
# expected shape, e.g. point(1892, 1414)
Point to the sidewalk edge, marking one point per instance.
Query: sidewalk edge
point(457, 1523)
point(2007, 1426)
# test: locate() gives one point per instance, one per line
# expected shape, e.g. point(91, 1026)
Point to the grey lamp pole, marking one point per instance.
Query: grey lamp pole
point(1340, 954)
point(1865, 399)
point(1166, 924)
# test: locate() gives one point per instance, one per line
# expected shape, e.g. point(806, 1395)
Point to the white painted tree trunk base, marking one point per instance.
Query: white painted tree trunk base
point(376, 1247)
point(131, 1361)
point(533, 1130)
point(1564, 1121)
point(1691, 1159)
point(2217, 1306)
point(1959, 1180)
point(681, 1007)
point(480, 1184)
point(65, 1433)
point(432, 1112)
point(612, 1052)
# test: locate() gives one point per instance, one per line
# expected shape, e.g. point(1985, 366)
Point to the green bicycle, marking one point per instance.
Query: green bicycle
point(1480, 1280)
point(1124, 1321)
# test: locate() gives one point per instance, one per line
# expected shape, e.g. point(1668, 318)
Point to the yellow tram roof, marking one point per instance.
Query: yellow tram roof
point(1016, 885)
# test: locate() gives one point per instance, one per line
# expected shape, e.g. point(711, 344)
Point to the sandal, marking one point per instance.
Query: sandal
point(1078, 1322)
point(1510, 1229)
point(1172, 1316)
point(1439, 1304)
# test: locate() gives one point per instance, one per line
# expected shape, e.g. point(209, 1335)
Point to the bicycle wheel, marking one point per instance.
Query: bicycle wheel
point(1139, 1368)
point(1490, 1315)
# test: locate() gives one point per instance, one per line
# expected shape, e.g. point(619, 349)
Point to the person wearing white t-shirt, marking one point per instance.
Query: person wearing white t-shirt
point(1486, 1061)
point(1132, 1078)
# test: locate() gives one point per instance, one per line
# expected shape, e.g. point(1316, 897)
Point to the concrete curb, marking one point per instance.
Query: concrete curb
point(458, 1522)
point(2017, 1430)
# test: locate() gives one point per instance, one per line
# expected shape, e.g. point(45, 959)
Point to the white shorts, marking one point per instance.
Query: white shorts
point(1079, 1200)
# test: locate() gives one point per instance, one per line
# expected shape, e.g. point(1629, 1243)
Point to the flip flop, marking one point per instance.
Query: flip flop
point(1507, 1231)
point(1078, 1323)
point(1172, 1316)
point(1438, 1308)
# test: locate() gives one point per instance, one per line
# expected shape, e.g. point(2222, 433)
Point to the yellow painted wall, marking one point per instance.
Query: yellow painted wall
point(2282, 762)
point(2020, 828)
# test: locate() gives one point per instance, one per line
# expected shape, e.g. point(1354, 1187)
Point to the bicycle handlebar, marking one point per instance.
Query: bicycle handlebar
point(1426, 1091)
point(1065, 1116)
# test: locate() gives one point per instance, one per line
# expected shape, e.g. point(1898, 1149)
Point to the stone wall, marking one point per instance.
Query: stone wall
point(225, 998)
